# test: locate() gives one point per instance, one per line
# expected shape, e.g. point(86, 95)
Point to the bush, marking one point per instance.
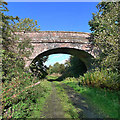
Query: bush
point(101, 78)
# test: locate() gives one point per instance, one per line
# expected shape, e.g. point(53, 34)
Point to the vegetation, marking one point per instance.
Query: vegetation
point(24, 93)
point(18, 92)
point(26, 24)
point(105, 34)
point(56, 68)
point(42, 92)
point(101, 79)
point(38, 68)
point(100, 99)
point(75, 67)
point(52, 77)
point(14, 51)
point(28, 103)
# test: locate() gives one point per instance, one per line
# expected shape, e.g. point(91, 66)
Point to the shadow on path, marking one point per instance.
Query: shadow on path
point(85, 110)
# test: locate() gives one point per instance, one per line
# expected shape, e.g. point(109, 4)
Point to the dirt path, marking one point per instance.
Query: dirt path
point(53, 107)
point(86, 111)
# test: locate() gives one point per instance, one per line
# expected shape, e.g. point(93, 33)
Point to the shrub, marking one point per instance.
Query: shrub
point(101, 78)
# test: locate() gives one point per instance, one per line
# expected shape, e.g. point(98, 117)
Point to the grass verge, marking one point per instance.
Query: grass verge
point(51, 77)
point(41, 99)
point(106, 101)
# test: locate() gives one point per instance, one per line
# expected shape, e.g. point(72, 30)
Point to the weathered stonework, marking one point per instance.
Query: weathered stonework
point(47, 40)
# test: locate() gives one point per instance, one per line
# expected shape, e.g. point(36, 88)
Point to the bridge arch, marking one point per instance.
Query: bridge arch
point(44, 41)
point(84, 56)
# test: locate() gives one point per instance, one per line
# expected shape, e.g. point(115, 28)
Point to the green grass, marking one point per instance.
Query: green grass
point(106, 101)
point(51, 77)
point(42, 96)
point(70, 110)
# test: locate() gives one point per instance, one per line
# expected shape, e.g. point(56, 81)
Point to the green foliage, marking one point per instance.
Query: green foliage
point(56, 68)
point(14, 50)
point(16, 90)
point(105, 31)
point(25, 104)
point(17, 96)
point(101, 78)
point(77, 67)
point(38, 68)
point(70, 79)
point(74, 67)
point(26, 24)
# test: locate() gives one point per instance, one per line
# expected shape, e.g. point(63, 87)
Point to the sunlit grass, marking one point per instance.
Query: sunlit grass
point(51, 77)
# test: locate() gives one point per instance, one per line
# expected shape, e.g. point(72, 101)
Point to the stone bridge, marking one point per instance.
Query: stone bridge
point(53, 42)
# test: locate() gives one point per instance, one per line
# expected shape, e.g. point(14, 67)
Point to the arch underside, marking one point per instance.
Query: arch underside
point(85, 57)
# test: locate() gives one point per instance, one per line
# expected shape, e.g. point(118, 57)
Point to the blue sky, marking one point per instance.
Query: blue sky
point(53, 0)
point(61, 58)
point(56, 16)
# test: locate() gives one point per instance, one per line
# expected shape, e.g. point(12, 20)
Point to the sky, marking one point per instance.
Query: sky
point(61, 58)
point(56, 16)
point(53, 0)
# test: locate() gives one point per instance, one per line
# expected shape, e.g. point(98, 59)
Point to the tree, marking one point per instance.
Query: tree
point(61, 68)
point(26, 24)
point(56, 68)
point(8, 57)
point(38, 67)
point(15, 52)
point(105, 31)
point(49, 70)
point(76, 67)
point(14, 76)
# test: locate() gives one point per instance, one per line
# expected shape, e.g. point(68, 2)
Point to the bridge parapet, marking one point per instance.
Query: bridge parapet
point(57, 37)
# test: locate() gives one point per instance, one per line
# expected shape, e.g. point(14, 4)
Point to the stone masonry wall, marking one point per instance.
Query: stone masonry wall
point(46, 40)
